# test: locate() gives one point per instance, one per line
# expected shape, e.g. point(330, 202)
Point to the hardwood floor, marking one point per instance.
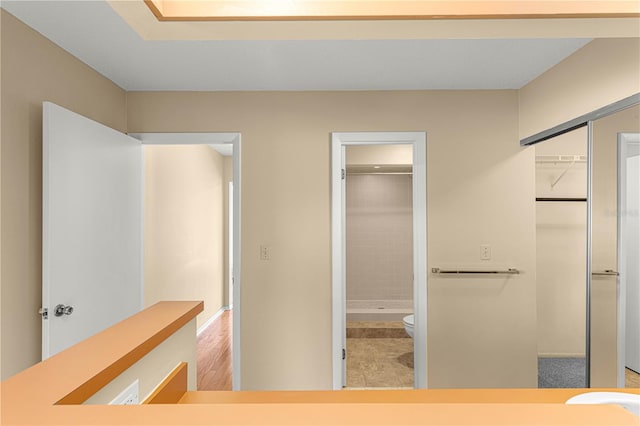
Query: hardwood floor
point(214, 354)
point(632, 379)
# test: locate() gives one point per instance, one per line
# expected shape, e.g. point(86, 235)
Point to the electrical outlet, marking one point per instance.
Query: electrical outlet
point(129, 396)
point(485, 252)
point(264, 253)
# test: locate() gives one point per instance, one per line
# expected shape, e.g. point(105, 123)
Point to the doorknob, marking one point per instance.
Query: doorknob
point(63, 310)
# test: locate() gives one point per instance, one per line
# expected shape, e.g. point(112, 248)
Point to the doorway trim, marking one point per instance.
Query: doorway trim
point(339, 141)
point(233, 139)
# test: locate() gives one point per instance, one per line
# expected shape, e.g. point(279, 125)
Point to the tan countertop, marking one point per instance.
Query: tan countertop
point(50, 393)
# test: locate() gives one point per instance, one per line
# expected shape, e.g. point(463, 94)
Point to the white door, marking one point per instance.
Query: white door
point(92, 228)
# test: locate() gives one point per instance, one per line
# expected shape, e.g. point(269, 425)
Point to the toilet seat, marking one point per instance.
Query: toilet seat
point(408, 320)
point(408, 324)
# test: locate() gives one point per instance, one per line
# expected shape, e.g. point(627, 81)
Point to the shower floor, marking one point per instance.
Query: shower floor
point(379, 355)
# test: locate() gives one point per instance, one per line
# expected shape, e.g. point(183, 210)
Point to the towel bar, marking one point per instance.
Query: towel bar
point(510, 271)
point(606, 272)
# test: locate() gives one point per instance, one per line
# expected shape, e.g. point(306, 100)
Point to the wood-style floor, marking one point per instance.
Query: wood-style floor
point(214, 354)
point(631, 379)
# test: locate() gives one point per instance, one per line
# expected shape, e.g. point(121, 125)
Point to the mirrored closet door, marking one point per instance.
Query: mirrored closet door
point(561, 246)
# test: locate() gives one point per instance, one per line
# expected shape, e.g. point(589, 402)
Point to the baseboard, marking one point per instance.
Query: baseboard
point(215, 316)
point(560, 355)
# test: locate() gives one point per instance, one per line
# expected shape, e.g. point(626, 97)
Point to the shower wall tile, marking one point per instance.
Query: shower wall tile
point(379, 232)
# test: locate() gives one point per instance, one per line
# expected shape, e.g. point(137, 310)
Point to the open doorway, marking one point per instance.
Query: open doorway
point(379, 266)
point(188, 239)
point(416, 277)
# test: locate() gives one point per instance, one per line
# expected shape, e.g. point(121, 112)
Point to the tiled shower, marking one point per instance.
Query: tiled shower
point(379, 249)
point(379, 246)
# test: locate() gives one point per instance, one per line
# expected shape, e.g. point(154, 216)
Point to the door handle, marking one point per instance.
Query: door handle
point(61, 310)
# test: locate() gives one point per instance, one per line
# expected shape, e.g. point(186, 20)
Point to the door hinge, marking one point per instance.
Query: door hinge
point(44, 313)
point(344, 173)
point(344, 354)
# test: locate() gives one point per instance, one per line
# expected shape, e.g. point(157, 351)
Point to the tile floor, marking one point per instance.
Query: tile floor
point(379, 355)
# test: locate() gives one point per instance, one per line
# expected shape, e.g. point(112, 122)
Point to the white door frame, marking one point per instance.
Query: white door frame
point(230, 244)
point(339, 141)
point(625, 140)
point(233, 139)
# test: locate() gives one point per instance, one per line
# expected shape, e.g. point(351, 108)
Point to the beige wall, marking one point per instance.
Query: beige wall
point(561, 243)
point(480, 189)
point(35, 70)
point(481, 331)
point(183, 226)
point(602, 72)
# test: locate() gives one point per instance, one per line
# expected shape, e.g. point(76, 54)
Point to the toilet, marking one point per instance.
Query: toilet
point(408, 324)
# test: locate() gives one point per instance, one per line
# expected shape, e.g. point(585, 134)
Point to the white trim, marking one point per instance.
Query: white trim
point(337, 263)
point(338, 143)
point(185, 138)
point(230, 244)
point(142, 213)
point(210, 321)
point(236, 358)
point(46, 226)
point(420, 259)
point(208, 139)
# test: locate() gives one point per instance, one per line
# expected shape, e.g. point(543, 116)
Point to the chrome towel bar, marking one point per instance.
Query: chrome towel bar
point(510, 271)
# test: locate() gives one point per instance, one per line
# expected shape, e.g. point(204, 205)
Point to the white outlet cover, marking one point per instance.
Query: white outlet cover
point(129, 396)
point(485, 252)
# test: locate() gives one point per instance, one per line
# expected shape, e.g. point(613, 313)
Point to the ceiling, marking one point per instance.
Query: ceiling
point(93, 32)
